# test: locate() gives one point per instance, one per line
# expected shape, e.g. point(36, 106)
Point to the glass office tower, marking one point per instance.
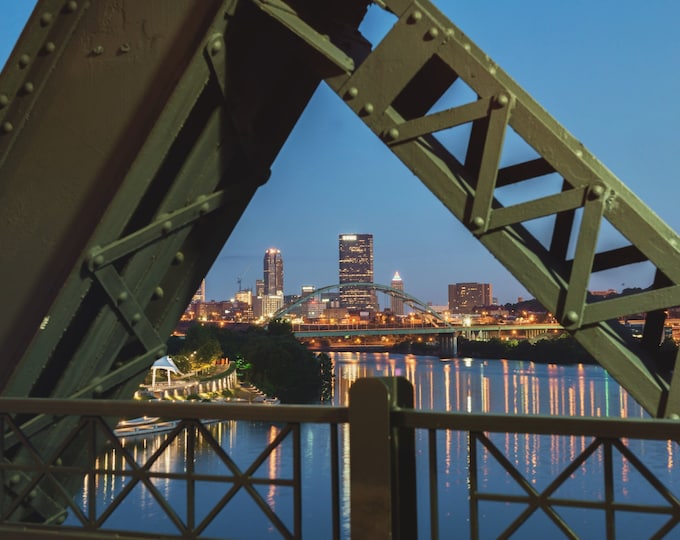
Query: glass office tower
point(356, 266)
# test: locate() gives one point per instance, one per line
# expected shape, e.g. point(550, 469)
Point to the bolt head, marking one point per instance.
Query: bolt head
point(368, 108)
point(29, 87)
point(352, 92)
point(393, 134)
point(502, 100)
point(478, 222)
point(71, 6)
point(415, 17)
point(4, 100)
point(46, 18)
point(571, 317)
point(216, 46)
point(433, 32)
point(596, 191)
point(24, 60)
point(7, 127)
point(50, 47)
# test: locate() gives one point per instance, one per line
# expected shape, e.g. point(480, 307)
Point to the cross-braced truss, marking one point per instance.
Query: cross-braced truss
point(117, 201)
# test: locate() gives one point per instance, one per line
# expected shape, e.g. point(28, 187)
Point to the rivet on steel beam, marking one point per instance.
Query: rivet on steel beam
point(432, 33)
point(674, 416)
point(97, 261)
point(352, 93)
point(50, 47)
point(216, 45)
point(71, 6)
point(392, 134)
point(367, 109)
point(124, 48)
point(595, 192)
point(32, 494)
point(28, 87)
point(46, 18)
point(98, 390)
point(7, 127)
point(4, 100)
point(450, 32)
point(167, 226)
point(579, 153)
point(178, 258)
point(502, 100)
point(14, 479)
point(24, 60)
point(415, 17)
point(467, 47)
point(122, 297)
point(98, 50)
point(204, 208)
point(571, 317)
point(58, 462)
point(478, 222)
point(136, 318)
point(158, 292)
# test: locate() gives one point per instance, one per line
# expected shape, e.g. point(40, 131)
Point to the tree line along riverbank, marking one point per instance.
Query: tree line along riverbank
point(270, 358)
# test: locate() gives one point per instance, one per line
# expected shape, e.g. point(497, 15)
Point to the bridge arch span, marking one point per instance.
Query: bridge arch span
point(411, 301)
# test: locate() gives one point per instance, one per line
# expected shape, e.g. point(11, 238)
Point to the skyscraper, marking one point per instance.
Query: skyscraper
point(396, 302)
point(465, 296)
point(199, 295)
point(273, 272)
point(356, 266)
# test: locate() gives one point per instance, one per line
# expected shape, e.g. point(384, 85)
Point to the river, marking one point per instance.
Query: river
point(465, 385)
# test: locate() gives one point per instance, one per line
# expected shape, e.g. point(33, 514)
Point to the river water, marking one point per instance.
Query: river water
point(461, 385)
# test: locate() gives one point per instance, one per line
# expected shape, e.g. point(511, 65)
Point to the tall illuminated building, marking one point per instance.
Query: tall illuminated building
point(396, 302)
point(273, 272)
point(199, 295)
point(356, 266)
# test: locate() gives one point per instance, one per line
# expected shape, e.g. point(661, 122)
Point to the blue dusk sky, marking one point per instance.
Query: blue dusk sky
point(607, 70)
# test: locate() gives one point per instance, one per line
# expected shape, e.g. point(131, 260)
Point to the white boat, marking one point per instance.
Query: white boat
point(144, 425)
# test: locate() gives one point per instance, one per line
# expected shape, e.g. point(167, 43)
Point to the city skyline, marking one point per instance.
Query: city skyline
point(333, 175)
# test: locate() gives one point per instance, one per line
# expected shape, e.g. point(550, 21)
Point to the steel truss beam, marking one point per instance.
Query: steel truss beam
point(129, 226)
point(393, 91)
point(132, 137)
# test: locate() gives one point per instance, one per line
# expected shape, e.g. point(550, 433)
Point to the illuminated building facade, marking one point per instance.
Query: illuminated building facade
point(463, 297)
point(397, 303)
point(356, 265)
point(199, 295)
point(273, 272)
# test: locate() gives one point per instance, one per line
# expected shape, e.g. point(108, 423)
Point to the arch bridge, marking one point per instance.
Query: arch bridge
point(431, 316)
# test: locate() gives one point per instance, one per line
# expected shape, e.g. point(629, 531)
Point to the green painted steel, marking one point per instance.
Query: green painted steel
point(427, 54)
point(133, 135)
point(382, 479)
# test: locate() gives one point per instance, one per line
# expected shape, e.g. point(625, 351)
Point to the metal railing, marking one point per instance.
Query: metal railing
point(393, 451)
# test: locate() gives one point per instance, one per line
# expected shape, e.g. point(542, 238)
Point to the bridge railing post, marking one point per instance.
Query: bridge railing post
point(382, 461)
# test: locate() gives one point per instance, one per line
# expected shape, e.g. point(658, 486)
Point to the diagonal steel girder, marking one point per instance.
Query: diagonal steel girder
point(133, 135)
point(394, 90)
